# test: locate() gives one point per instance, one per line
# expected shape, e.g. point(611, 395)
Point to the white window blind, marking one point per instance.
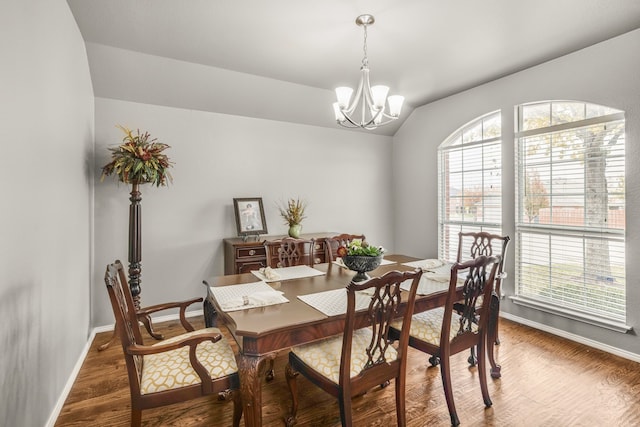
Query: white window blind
point(469, 182)
point(570, 208)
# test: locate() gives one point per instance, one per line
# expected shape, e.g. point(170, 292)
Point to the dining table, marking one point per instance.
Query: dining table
point(294, 314)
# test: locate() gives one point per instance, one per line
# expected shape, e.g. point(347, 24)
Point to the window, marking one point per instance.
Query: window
point(469, 182)
point(570, 210)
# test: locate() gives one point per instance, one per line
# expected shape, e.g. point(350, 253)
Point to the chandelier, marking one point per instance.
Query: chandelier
point(371, 100)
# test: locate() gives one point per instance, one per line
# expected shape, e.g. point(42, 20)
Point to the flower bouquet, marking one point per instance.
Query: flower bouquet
point(361, 257)
point(139, 160)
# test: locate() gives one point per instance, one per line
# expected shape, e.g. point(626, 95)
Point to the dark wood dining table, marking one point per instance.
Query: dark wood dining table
point(262, 332)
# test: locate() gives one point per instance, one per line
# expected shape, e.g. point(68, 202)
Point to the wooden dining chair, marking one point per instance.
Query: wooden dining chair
point(331, 244)
point(362, 357)
point(288, 252)
point(194, 364)
point(442, 332)
point(470, 246)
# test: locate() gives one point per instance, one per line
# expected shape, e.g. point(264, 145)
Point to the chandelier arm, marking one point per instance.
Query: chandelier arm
point(356, 98)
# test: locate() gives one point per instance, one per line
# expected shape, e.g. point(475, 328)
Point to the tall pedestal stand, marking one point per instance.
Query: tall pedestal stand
point(135, 258)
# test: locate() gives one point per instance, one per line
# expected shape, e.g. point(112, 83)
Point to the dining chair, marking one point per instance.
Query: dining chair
point(470, 246)
point(190, 365)
point(362, 357)
point(331, 244)
point(288, 252)
point(442, 332)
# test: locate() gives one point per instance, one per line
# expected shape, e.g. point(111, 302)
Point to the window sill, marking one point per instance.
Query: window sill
point(571, 314)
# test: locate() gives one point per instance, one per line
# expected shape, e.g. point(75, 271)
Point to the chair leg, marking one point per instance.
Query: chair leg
point(445, 372)
point(136, 417)
point(291, 376)
point(401, 412)
point(492, 336)
point(434, 360)
point(237, 408)
point(473, 360)
point(482, 372)
point(345, 409)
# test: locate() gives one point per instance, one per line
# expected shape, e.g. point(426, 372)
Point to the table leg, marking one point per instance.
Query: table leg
point(251, 371)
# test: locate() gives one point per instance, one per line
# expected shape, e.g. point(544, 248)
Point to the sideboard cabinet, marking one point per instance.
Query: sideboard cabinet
point(243, 256)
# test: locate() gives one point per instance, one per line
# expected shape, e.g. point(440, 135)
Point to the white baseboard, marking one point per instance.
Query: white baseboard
point(67, 387)
point(572, 337)
point(83, 355)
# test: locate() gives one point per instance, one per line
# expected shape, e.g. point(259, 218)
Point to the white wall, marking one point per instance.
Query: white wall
point(46, 135)
point(605, 74)
point(344, 176)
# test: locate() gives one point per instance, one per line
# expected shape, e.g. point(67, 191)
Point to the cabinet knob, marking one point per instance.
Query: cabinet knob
point(252, 252)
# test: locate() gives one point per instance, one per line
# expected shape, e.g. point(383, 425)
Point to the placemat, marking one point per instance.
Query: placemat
point(334, 302)
point(246, 295)
point(288, 273)
point(426, 264)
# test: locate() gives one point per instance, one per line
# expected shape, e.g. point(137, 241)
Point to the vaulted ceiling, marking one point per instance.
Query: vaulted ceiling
point(281, 59)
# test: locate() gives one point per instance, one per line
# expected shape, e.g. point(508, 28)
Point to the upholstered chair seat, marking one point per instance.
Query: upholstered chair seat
point(427, 326)
point(324, 356)
point(172, 369)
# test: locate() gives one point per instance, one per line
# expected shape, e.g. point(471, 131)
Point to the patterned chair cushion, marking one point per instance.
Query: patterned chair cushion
point(426, 326)
point(324, 356)
point(171, 369)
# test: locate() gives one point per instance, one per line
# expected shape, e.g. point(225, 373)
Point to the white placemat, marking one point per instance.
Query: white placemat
point(433, 281)
point(288, 273)
point(339, 262)
point(246, 295)
point(426, 264)
point(333, 303)
point(426, 286)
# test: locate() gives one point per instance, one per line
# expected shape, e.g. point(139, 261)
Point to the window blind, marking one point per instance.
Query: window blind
point(469, 187)
point(570, 212)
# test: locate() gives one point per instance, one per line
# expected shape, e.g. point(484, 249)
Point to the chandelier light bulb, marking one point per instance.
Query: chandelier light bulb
point(343, 94)
point(395, 105)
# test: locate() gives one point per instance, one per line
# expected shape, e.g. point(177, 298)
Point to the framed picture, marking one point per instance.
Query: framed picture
point(250, 216)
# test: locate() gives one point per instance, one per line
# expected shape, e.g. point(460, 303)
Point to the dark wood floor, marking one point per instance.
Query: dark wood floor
point(547, 381)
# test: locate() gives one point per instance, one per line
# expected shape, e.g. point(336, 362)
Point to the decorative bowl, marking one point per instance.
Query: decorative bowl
point(361, 264)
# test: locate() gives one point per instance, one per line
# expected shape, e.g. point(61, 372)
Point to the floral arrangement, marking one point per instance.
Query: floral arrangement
point(139, 160)
point(293, 211)
point(360, 248)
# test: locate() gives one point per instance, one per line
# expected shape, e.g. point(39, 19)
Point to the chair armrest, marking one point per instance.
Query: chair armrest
point(191, 341)
point(182, 305)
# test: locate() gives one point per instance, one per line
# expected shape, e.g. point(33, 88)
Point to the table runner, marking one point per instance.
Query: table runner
point(246, 295)
point(288, 273)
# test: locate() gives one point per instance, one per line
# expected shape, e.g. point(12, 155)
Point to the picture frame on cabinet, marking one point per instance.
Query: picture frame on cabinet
point(250, 219)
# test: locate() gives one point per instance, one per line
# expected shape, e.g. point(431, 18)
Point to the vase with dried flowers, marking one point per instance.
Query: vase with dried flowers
point(293, 213)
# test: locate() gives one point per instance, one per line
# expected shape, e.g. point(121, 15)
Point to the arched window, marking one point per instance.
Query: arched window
point(570, 210)
point(469, 182)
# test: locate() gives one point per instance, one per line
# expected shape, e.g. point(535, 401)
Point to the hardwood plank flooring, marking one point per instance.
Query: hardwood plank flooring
point(547, 381)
